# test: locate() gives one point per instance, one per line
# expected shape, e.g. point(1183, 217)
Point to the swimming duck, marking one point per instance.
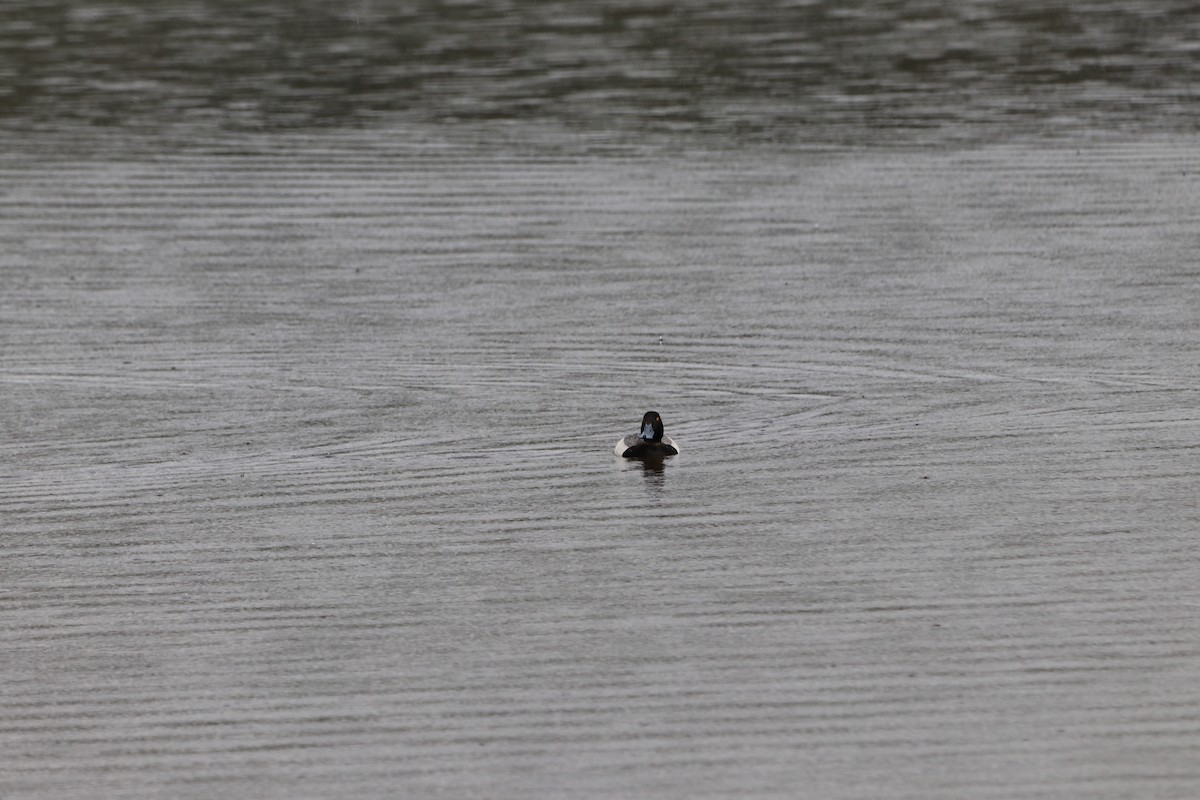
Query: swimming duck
point(650, 443)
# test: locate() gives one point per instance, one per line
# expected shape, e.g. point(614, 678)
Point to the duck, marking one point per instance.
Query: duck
point(651, 442)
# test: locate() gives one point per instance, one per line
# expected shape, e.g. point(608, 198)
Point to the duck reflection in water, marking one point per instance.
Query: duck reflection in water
point(652, 468)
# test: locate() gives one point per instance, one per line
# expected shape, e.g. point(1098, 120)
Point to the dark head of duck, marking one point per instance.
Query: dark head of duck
point(652, 427)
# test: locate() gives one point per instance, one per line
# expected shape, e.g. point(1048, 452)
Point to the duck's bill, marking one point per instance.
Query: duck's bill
point(647, 431)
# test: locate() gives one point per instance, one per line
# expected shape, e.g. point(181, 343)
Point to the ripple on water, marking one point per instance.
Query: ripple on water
point(308, 481)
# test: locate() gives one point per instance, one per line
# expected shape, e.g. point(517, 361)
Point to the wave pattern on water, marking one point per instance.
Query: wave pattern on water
point(762, 69)
point(307, 483)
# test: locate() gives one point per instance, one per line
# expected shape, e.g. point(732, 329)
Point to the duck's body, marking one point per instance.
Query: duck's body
point(634, 446)
point(651, 442)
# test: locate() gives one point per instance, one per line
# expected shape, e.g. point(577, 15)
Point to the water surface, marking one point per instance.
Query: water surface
point(761, 70)
point(306, 480)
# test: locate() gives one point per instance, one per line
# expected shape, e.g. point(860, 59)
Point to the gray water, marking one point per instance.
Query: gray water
point(309, 388)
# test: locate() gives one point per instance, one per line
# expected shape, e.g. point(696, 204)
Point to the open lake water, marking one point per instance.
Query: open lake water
point(318, 323)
